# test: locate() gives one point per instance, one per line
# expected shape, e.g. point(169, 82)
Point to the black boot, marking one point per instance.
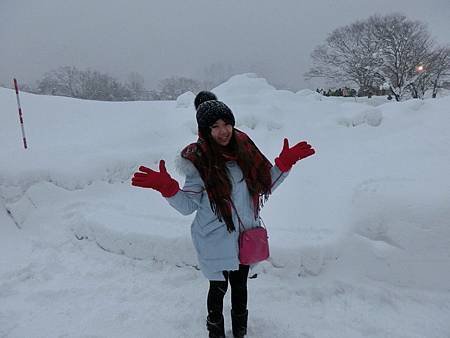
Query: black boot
point(239, 322)
point(216, 328)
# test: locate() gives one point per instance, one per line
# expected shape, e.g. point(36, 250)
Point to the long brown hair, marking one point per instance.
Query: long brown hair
point(214, 172)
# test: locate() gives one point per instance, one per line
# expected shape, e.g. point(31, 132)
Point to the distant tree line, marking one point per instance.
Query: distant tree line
point(383, 52)
point(84, 84)
point(93, 85)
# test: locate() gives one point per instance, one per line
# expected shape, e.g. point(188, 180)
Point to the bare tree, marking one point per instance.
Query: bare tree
point(99, 86)
point(440, 68)
point(64, 81)
point(88, 84)
point(405, 46)
point(433, 69)
point(381, 51)
point(350, 54)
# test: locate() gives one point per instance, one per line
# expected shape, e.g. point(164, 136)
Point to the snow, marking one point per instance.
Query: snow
point(185, 100)
point(359, 233)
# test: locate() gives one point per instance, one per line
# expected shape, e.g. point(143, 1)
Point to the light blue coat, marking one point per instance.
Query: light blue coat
point(217, 249)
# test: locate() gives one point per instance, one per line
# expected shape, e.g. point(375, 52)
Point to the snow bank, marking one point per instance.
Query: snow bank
point(369, 209)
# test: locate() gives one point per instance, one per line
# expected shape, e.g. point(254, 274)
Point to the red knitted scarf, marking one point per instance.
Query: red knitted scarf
point(258, 178)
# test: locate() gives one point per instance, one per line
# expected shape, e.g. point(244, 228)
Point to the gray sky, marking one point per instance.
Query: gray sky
point(164, 38)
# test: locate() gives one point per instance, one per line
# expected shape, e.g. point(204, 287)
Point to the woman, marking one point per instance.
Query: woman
point(227, 181)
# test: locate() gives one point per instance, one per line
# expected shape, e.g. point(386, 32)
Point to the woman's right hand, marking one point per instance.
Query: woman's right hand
point(160, 181)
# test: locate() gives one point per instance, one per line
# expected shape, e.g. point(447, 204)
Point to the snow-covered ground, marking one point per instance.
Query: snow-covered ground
point(359, 233)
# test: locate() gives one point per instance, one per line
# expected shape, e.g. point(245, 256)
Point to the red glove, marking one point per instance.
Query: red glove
point(160, 181)
point(289, 156)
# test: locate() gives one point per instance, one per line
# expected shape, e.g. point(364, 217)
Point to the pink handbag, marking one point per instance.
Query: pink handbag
point(253, 243)
point(253, 246)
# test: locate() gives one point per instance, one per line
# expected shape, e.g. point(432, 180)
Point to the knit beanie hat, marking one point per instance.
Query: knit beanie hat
point(202, 97)
point(210, 111)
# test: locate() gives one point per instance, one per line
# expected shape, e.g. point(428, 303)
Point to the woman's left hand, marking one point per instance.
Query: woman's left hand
point(289, 156)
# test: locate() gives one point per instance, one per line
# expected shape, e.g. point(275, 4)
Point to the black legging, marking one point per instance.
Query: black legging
point(218, 289)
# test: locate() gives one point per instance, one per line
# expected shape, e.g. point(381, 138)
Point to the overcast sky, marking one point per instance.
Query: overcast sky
point(164, 38)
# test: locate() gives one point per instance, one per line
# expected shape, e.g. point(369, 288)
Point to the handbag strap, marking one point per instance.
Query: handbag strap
point(241, 225)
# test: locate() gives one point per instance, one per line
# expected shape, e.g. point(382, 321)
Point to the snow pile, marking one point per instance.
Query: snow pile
point(186, 100)
point(359, 233)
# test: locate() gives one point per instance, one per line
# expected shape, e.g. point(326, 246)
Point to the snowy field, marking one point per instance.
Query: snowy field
point(359, 233)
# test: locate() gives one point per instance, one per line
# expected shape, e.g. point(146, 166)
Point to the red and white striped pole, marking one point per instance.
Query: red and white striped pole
point(16, 87)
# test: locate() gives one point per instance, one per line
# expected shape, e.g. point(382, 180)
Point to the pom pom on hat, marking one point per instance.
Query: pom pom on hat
point(203, 96)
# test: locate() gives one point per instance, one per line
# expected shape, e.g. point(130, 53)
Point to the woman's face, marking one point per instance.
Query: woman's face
point(221, 132)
